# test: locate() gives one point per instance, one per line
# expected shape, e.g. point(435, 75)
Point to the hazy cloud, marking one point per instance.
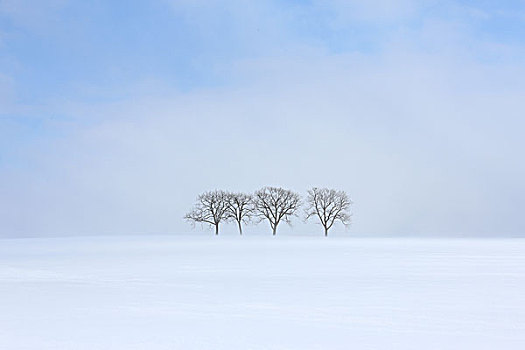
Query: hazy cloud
point(424, 132)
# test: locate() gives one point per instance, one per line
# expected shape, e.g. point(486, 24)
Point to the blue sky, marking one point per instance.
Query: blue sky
point(57, 47)
point(108, 110)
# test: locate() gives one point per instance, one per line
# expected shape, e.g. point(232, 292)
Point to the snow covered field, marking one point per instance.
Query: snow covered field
point(261, 293)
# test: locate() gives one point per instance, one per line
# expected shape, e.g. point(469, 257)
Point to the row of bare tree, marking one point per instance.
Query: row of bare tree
point(272, 204)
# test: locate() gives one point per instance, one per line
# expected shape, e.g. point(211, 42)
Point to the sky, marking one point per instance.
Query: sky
point(115, 115)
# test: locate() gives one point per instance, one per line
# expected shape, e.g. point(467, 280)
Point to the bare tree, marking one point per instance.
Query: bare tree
point(210, 209)
point(239, 208)
point(275, 204)
point(329, 206)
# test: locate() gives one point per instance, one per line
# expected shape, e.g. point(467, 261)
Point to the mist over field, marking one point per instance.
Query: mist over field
point(114, 116)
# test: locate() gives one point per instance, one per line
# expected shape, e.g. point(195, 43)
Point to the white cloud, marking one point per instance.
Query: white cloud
point(414, 139)
point(425, 134)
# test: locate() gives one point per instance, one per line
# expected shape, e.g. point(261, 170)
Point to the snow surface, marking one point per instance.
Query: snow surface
point(261, 293)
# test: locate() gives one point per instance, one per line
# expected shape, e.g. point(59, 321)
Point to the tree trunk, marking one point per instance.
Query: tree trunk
point(240, 228)
point(274, 229)
point(326, 232)
point(216, 229)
